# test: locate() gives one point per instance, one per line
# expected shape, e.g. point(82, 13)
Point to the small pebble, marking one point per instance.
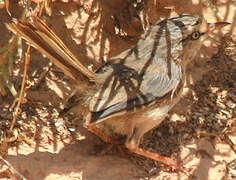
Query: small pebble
point(72, 129)
point(152, 170)
point(230, 104)
point(57, 124)
point(225, 112)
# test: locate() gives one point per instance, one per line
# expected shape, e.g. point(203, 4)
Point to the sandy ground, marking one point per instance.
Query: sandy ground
point(201, 126)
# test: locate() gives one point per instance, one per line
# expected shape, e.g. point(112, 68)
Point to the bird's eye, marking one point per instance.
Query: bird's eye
point(195, 35)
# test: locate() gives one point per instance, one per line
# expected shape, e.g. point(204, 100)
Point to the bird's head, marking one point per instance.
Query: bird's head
point(194, 30)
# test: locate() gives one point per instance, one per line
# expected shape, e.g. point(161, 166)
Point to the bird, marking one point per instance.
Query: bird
point(132, 92)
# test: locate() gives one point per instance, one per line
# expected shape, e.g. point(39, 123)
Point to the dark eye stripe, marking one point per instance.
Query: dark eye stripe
point(189, 37)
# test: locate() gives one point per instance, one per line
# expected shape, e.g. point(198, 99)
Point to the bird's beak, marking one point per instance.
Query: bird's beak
point(214, 26)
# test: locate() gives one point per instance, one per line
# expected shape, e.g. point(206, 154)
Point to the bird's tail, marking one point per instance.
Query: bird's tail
point(39, 35)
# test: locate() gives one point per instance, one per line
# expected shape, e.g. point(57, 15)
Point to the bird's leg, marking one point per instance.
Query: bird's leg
point(112, 142)
point(132, 143)
point(106, 138)
point(165, 160)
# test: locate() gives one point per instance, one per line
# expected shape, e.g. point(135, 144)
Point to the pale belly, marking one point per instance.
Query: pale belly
point(124, 124)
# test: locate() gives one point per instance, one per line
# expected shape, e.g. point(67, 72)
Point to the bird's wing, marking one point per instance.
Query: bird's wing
point(144, 75)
